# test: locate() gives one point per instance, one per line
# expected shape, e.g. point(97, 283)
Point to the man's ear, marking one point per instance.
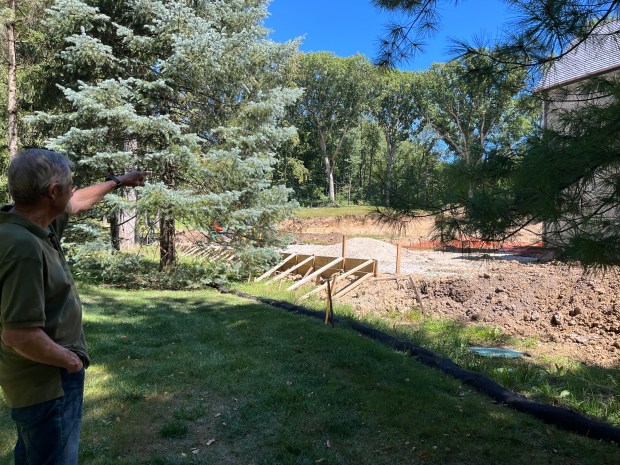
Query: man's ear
point(54, 190)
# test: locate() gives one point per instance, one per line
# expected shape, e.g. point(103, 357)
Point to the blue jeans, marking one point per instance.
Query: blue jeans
point(49, 433)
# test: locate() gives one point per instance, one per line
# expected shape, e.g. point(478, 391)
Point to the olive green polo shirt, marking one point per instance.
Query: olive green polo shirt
point(36, 290)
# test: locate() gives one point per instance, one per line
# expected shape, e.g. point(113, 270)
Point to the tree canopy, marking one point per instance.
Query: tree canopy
point(190, 93)
point(336, 95)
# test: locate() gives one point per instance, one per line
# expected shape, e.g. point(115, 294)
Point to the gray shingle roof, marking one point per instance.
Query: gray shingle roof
point(599, 53)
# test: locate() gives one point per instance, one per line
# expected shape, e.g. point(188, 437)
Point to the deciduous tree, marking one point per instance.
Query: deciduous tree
point(23, 52)
point(337, 93)
point(396, 112)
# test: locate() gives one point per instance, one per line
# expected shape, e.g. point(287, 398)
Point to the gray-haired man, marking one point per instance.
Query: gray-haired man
point(43, 351)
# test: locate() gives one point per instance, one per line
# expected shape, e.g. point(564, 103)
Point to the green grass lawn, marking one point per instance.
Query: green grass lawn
point(592, 390)
point(354, 210)
point(203, 378)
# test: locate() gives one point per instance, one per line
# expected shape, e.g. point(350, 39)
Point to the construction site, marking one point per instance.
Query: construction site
point(515, 287)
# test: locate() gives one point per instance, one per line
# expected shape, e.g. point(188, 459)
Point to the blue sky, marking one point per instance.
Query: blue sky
point(346, 27)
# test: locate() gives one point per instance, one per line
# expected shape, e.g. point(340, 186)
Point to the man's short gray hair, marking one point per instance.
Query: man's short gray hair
point(32, 171)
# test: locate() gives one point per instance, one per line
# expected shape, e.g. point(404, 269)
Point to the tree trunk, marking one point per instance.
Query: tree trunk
point(12, 83)
point(167, 248)
point(127, 222)
point(329, 169)
point(127, 218)
point(388, 175)
point(114, 231)
point(368, 184)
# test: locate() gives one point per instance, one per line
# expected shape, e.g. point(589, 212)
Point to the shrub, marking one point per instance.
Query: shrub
point(93, 261)
point(138, 271)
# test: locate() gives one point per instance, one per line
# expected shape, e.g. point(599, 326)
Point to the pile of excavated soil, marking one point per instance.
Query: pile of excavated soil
point(407, 231)
point(572, 314)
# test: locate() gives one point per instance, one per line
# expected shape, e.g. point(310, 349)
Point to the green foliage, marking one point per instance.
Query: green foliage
point(93, 261)
point(254, 261)
point(193, 93)
point(337, 93)
point(4, 187)
point(140, 271)
point(421, 176)
point(473, 105)
point(566, 177)
point(473, 111)
point(396, 113)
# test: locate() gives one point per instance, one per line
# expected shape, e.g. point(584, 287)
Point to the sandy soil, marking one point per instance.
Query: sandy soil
point(570, 313)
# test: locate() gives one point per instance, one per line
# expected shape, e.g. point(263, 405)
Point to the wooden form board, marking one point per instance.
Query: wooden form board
point(319, 262)
point(313, 267)
point(210, 252)
point(351, 272)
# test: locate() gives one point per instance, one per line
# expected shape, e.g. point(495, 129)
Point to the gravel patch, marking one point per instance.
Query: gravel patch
point(428, 263)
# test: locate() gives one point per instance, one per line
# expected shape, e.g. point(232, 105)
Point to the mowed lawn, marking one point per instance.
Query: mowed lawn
point(203, 378)
point(348, 210)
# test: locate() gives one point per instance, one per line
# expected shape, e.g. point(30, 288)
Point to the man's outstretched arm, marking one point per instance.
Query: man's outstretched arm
point(84, 199)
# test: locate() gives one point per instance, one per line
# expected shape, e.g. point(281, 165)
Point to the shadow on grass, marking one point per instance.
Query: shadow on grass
point(224, 380)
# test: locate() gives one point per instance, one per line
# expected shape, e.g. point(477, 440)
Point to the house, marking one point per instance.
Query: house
point(564, 87)
point(598, 55)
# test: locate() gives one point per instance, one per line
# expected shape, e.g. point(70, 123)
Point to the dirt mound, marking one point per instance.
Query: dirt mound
point(361, 225)
point(408, 231)
point(570, 314)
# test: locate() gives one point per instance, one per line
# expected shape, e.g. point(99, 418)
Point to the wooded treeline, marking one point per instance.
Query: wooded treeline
point(238, 129)
point(390, 138)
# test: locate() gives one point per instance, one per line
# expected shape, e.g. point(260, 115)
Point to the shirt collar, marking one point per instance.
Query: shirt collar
point(15, 218)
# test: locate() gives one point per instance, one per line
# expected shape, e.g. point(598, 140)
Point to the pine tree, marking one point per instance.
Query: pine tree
point(568, 176)
point(191, 93)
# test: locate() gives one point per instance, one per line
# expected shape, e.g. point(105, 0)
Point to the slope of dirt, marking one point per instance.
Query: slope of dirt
point(409, 231)
point(569, 313)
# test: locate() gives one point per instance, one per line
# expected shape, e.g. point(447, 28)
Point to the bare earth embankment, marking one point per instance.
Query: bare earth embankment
point(570, 314)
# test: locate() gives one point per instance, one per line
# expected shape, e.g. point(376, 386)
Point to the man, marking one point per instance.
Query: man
point(42, 349)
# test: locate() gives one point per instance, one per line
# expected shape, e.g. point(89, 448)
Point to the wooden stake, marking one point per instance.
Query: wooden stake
point(417, 293)
point(331, 299)
point(398, 254)
point(328, 301)
point(344, 250)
